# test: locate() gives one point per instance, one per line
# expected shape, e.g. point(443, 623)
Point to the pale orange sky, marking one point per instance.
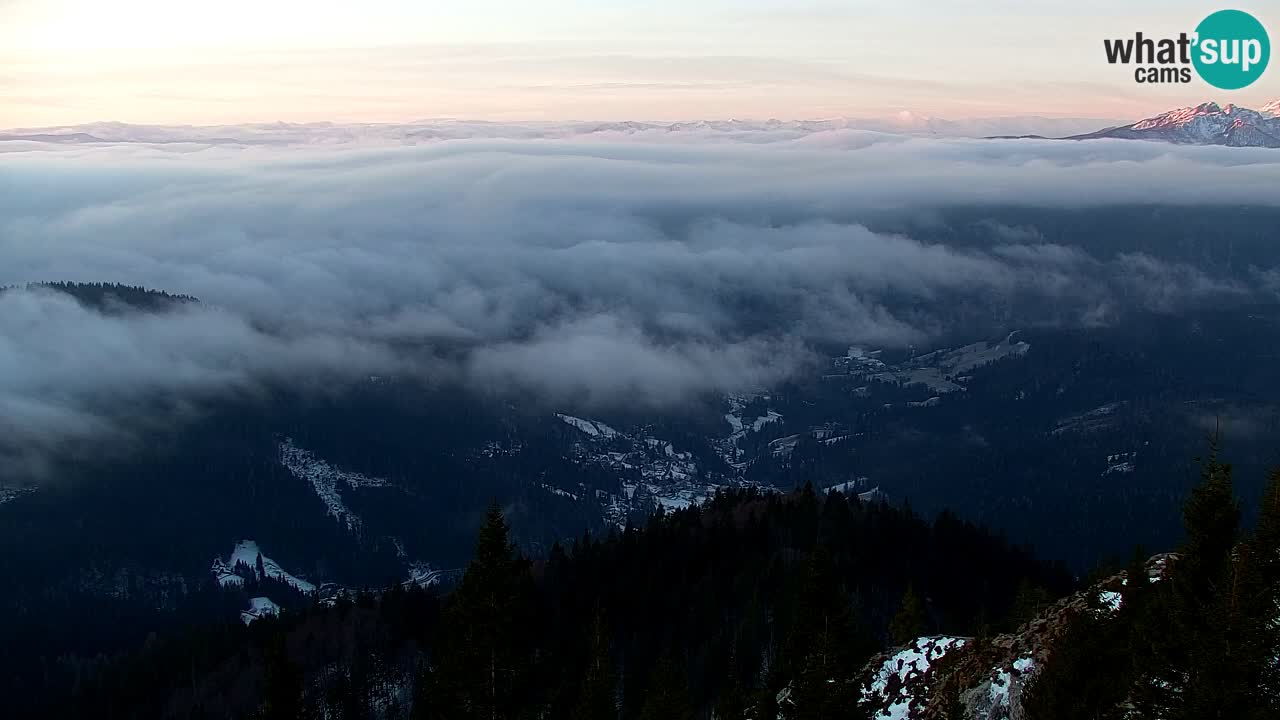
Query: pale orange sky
point(199, 62)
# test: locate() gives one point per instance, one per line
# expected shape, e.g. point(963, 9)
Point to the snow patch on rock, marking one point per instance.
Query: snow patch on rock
point(259, 607)
point(891, 693)
point(247, 552)
point(327, 481)
point(591, 427)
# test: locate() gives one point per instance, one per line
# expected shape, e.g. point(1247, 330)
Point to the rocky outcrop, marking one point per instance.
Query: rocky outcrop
point(949, 678)
point(898, 682)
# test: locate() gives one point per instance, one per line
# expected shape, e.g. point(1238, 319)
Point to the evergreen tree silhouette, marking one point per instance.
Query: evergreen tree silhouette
point(911, 620)
point(824, 645)
point(1192, 651)
point(282, 691)
point(483, 666)
point(598, 700)
point(667, 693)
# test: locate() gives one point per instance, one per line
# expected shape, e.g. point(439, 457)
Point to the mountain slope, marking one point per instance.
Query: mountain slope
point(717, 591)
point(757, 606)
point(1191, 635)
point(1204, 124)
point(988, 677)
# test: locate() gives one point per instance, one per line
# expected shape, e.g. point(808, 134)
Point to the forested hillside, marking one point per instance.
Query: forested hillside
point(756, 605)
point(717, 608)
point(1200, 640)
point(1177, 636)
point(112, 296)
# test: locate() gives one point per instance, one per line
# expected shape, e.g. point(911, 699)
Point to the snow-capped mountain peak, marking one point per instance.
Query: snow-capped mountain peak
point(1205, 124)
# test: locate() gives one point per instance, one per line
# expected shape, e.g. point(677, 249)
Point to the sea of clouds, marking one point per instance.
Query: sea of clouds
point(602, 267)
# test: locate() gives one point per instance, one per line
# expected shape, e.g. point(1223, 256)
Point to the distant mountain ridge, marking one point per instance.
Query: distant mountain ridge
point(1204, 124)
point(428, 131)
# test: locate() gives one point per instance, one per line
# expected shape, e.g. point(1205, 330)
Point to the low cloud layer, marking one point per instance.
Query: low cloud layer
point(587, 272)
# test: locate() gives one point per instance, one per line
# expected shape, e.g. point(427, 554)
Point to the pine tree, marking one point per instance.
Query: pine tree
point(667, 693)
point(1258, 593)
point(806, 511)
point(1086, 674)
point(733, 701)
point(1266, 540)
point(1265, 543)
point(1137, 584)
point(282, 691)
point(483, 666)
point(824, 646)
point(1193, 637)
point(1212, 520)
point(355, 701)
point(732, 704)
point(423, 707)
point(911, 620)
point(1028, 603)
point(764, 704)
point(598, 700)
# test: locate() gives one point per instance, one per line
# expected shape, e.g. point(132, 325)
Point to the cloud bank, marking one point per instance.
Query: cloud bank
point(602, 271)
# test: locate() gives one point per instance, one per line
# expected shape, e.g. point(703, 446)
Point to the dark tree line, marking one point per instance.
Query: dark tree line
point(112, 296)
point(752, 605)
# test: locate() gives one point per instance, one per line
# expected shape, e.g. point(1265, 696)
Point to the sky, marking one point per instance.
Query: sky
point(199, 62)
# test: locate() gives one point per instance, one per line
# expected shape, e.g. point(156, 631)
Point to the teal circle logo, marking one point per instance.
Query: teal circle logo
point(1232, 49)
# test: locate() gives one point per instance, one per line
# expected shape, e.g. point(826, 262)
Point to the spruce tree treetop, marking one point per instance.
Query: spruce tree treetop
point(598, 699)
point(911, 621)
point(1268, 531)
point(494, 540)
point(667, 694)
point(484, 656)
point(1212, 520)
